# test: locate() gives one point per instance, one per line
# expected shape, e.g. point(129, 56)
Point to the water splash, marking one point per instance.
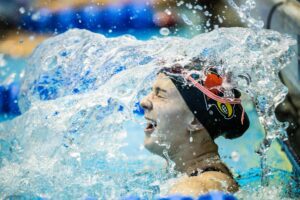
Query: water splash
point(80, 89)
point(244, 12)
point(266, 102)
point(283, 186)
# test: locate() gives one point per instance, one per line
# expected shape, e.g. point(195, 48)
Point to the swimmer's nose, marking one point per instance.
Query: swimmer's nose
point(146, 104)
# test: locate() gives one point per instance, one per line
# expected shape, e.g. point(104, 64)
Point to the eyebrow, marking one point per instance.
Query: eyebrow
point(160, 89)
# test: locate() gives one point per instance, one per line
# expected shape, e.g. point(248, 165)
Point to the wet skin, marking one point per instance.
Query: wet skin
point(170, 126)
point(165, 107)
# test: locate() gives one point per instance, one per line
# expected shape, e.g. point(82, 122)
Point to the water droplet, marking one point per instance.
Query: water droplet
point(198, 7)
point(2, 60)
point(235, 156)
point(180, 3)
point(207, 23)
point(31, 38)
point(168, 12)
point(206, 13)
point(164, 31)
point(220, 19)
point(35, 16)
point(189, 5)
point(186, 20)
point(22, 10)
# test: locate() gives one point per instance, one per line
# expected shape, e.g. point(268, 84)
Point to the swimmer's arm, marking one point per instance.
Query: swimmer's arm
point(208, 181)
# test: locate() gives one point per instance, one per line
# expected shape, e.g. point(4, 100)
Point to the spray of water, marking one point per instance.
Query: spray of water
point(265, 102)
point(80, 89)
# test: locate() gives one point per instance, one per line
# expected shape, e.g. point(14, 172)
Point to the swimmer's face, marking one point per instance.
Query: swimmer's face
point(167, 115)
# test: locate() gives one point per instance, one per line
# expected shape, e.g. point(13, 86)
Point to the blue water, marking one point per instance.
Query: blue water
point(97, 173)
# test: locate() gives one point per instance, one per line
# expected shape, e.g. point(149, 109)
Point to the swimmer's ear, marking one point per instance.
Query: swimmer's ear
point(195, 125)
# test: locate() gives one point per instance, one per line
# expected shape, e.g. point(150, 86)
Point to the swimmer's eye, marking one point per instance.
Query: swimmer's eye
point(160, 96)
point(157, 92)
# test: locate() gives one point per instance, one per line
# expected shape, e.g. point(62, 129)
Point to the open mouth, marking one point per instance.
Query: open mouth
point(150, 127)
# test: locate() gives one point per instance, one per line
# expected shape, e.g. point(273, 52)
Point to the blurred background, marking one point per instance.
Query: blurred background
point(26, 23)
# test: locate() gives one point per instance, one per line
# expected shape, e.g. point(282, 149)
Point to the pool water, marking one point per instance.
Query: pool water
point(78, 136)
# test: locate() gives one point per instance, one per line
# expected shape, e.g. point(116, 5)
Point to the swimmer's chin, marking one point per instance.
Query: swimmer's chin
point(152, 146)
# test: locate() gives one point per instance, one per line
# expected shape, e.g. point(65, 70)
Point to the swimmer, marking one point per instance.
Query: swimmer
point(184, 119)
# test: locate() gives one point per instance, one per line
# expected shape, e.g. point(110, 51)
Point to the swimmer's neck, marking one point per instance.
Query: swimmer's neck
point(194, 154)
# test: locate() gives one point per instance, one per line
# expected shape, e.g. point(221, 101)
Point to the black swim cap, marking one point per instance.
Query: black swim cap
point(227, 119)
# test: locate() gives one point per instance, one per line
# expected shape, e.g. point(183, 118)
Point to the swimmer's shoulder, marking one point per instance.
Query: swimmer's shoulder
point(203, 183)
point(218, 181)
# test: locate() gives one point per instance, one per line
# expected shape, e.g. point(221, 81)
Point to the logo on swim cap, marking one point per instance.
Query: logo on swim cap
point(225, 109)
